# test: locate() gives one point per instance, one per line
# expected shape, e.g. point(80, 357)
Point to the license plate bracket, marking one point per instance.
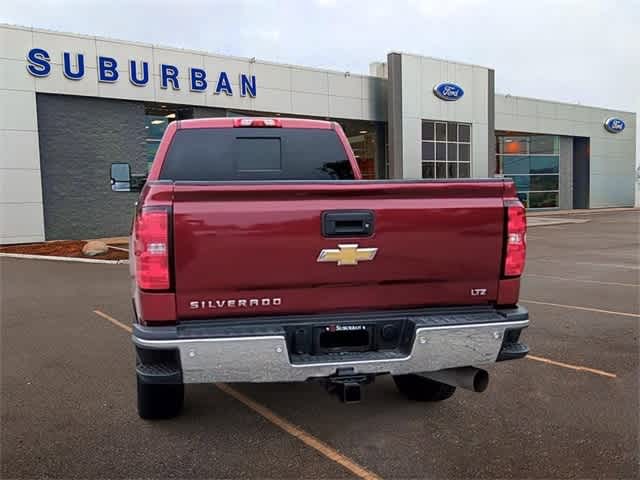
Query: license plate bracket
point(343, 338)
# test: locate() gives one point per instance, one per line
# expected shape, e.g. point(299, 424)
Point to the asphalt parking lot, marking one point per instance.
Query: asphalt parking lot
point(569, 411)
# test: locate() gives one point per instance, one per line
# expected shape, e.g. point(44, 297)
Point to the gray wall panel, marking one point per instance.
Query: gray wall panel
point(491, 111)
point(580, 172)
point(79, 139)
point(394, 114)
point(566, 173)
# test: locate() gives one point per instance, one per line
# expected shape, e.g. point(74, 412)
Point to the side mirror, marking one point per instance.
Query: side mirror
point(120, 177)
point(123, 181)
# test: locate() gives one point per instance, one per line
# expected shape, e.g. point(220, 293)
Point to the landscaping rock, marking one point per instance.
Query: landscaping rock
point(94, 247)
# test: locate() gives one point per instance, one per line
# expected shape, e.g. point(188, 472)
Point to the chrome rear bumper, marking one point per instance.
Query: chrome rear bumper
point(265, 358)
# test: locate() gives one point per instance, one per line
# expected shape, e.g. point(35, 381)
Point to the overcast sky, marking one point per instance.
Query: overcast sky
point(585, 51)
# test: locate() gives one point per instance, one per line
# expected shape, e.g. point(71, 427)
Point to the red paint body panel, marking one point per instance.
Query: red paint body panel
point(436, 241)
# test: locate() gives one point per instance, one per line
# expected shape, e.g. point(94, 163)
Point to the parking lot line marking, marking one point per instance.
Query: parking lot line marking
point(300, 434)
point(599, 282)
point(117, 323)
point(572, 367)
point(588, 309)
point(278, 421)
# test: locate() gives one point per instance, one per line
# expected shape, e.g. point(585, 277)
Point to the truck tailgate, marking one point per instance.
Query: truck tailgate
point(246, 249)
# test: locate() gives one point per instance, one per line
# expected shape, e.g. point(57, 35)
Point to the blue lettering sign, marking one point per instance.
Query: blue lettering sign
point(224, 84)
point(198, 82)
point(74, 68)
point(133, 73)
point(448, 91)
point(67, 67)
point(39, 65)
point(107, 69)
point(169, 73)
point(247, 85)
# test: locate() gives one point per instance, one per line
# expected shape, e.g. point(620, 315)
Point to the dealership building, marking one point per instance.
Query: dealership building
point(70, 105)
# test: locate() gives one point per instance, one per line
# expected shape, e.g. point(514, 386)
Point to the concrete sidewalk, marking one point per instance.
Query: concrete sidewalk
point(582, 211)
point(544, 221)
point(559, 217)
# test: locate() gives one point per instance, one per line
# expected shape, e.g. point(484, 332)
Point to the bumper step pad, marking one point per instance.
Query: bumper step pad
point(161, 372)
point(512, 351)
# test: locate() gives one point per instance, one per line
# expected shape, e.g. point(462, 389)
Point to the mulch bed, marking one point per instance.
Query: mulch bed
point(64, 248)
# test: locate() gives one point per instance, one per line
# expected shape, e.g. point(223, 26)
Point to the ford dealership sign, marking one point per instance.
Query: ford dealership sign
point(139, 73)
point(614, 125)
point(448, 91)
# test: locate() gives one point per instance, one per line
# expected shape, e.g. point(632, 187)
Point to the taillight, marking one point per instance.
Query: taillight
point(516, 248)
point(151, 248)
point(257, 122)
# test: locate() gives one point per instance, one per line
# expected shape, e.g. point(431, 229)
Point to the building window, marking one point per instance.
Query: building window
point(534, 164)
point(156, 119)
point(154, 126)
point(367, 141)
point(446, 149)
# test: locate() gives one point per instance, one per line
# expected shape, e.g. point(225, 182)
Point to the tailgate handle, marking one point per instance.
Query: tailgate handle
point(358, 223)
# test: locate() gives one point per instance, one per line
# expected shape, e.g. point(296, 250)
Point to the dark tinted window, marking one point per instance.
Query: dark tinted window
point(258, 154)
point(452, 132)
point(512, 164)
point(427, 131)
point(464, 133)
point(543, 199)
point(453, 151)
point(544, 182)
point(427, 151)
point(544, 144)
point(428, 170)
point(222, 154)
point(545, 164)
point(464, 151)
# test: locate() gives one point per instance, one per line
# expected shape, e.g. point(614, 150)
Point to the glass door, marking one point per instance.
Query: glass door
point(534, 164)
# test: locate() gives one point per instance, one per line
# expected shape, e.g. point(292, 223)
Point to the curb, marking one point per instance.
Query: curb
point(546, 221)
point(63, 259)
point(582, 211)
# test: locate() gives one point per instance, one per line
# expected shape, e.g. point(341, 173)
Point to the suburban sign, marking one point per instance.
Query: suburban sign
point(109, 71)
point(614, 125)
point(448, 91)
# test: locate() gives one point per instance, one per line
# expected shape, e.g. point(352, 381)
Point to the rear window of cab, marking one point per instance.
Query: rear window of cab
point(228, 154)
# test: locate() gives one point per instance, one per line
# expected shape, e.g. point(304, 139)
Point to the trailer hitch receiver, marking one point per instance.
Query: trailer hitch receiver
point(347, 385)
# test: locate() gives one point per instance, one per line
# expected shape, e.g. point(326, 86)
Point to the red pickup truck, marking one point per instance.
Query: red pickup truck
point(260, 255)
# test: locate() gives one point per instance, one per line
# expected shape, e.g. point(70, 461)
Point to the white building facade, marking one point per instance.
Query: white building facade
point(70, 105)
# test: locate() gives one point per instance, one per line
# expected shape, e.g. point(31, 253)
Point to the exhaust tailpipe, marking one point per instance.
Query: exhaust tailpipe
point(471, 378)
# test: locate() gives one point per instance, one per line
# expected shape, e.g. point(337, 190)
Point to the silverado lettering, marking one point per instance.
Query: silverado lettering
point(240, 302)
point(261, 255)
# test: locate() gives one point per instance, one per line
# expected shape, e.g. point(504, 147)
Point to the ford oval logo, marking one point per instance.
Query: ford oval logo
point(448, 91)
point(614, 125)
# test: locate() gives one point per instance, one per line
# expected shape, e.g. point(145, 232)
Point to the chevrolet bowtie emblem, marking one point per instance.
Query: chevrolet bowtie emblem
point(348, 254)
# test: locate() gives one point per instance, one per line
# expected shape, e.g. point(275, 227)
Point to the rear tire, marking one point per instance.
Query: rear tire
point(157, 400)
point(416, 387)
